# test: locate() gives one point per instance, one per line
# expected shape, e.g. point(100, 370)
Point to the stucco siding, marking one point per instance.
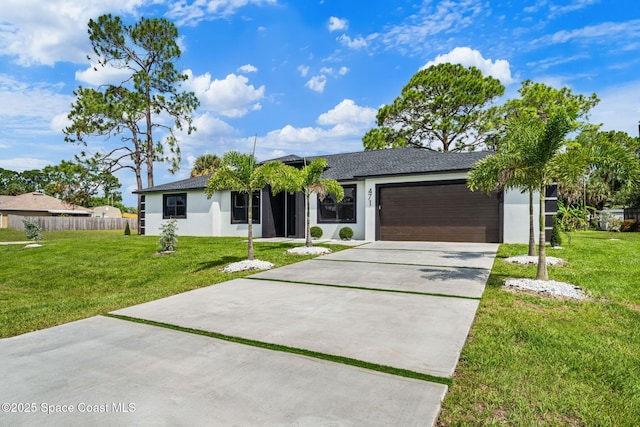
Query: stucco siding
point(516, 216)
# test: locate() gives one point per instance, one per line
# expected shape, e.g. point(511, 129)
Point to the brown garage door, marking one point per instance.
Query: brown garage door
point(443, 212)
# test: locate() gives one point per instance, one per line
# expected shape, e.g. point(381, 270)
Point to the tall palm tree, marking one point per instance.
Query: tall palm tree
point(241, 172)
point(528, 164)
point(507, 169)
point(205, 164)
point(311, 181)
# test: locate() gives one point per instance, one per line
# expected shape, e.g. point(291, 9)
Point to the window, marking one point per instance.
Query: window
point(239, 205)
point(345, 211)
point(174, 206)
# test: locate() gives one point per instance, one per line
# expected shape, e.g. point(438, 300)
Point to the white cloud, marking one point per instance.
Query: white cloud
point(37, 32)
point(416, 33)
point(303, 70)
point(326, 70)
point(231, 97)
point(97, 75)
point(499, 69)
point(60, 122)
point(618, 108)
point(607, 30)
point(248, 68)
point(317, 83)
point(206, 10)
point(343, 70)
point(348, 112)
point(572, 6)
point(20, 164)
point(357, 43)
point(37, 100)
point(340, 130)
point(337, 24)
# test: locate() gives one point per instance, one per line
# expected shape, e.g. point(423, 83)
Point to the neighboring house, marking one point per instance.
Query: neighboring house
point(392, 194)
point(37, 204)
point(106, 212)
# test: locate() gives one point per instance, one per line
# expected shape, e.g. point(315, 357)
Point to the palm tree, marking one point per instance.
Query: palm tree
point(205, 164)
point(311, 181)
point(601, 161)
point(540, 157)
point(527, 164)
point(241, 172)
point(507, 169)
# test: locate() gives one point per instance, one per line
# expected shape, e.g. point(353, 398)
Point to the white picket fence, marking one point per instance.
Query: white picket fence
point(59, 223)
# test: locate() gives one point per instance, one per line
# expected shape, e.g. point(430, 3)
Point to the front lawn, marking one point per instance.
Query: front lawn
point(80, 274)
point(537, 361)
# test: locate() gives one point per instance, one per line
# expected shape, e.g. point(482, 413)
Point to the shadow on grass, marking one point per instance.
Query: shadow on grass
point(208, 265)
point(497, 280)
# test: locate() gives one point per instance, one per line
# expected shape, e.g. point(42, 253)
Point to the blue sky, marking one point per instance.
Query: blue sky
point(308, 76)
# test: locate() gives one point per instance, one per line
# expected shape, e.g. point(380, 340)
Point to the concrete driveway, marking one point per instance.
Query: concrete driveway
point(403, 305)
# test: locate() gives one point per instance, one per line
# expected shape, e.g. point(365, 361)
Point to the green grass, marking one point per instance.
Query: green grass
point(536, 361)
point(81, 274)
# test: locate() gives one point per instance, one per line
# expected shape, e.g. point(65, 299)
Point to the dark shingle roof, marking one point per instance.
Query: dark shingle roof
point(397, 161)
point(363, 164)
point(197, 183)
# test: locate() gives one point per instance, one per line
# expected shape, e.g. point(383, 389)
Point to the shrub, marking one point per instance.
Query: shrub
point(316, 232)
point(32, 229)
point(127, 230)
point(168, 237)
point(346, 233)
point(608, 222)
point(629, 225)
point(556, 239)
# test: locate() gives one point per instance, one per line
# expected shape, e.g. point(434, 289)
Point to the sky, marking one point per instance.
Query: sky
point(307, 77)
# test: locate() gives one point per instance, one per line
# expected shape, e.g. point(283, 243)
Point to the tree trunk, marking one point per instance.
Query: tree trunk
point(542, 251)
point(308, 242)
point(150, 148)
point(250, 227)
point(532, 233)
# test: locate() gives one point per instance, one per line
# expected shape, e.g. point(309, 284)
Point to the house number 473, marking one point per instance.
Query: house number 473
point(370, 194)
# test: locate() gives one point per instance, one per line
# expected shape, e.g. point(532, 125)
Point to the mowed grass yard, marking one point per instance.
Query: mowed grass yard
point(537, 361)
point(79, 274)
point(529, 361)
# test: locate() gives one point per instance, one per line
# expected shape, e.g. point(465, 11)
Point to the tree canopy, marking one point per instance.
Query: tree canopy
point(445, 107)
point(133, 109)
point(72, 182)
point(205, 164)
point(543, 101)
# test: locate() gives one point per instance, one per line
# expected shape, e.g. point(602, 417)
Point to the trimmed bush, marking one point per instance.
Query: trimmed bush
point(127, 230)
point(168, 238)
point(346, 233)
point(316, 232)
point(630, 225)
point(556, 239)
point(32, 230)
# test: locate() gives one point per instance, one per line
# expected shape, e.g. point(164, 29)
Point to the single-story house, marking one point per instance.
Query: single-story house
point(37, 204)
point(106, 212)
point(392, 194)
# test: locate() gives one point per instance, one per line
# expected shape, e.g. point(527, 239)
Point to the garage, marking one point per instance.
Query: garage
point(443, 211)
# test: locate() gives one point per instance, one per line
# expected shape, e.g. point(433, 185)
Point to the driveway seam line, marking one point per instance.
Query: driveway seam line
point(414, 250)
point(292, 350)
point(401, 263)
point(393, 291)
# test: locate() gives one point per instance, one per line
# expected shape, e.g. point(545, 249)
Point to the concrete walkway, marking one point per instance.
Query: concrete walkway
point(404, 305)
